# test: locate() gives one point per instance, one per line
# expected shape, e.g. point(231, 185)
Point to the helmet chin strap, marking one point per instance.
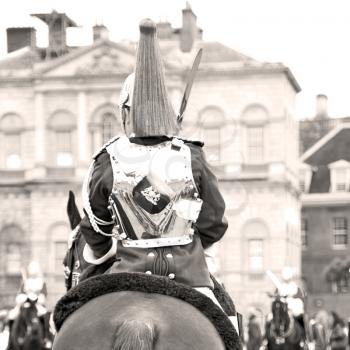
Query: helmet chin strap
point(125, 112)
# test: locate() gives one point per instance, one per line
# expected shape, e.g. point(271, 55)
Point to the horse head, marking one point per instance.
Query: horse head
point(27, 330)
point(280, 315)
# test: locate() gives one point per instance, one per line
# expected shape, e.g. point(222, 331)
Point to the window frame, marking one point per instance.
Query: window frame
point(212, 119)
point(261, 144)
point(11, 235)
point(9, 129)
point(334, 234)
point(95, 127)
point(261, 250)
point(335, 168)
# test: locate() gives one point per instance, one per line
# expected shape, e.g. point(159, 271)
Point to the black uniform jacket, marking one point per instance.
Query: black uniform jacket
point(187, 262)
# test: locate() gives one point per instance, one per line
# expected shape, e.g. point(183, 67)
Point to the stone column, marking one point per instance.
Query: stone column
point(83, 151)
point(39, 167)
point(39, 130)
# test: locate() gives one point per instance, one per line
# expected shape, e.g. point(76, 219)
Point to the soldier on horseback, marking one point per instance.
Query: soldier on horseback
point(34, 288)
point(152, 203)
point(294, 294)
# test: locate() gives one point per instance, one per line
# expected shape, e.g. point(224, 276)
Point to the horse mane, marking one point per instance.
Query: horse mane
point(135, 334)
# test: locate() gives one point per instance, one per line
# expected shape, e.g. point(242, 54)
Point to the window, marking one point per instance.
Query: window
point(12, 127)
point(254, 119)
point(57, 239)
point(109, 127)
point(104, 125)
point(256, 255)
point(212, 137)
point(340, 183)
point(64, 157)
point(13, 258)
point(13, 151)
point(343, 283)
point(304, 233)
point(60, 248)
point(255, 143)
point(255, 237)
point(211, 124)
point(305, 175)
point(340, 232)
point(62, 124)
point(340, 176)
point(11, 250)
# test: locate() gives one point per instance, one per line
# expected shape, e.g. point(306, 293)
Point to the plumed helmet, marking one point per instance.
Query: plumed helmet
point(287, 273)
point(151, 110)
point(34, 269)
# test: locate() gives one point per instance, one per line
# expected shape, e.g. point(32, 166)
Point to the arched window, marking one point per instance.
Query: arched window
point(11, 126)
point(11, 250)
point(254, 119)
point(109, 126)
point(58, 236)
point(62, 125)
point(104, 126)
point(211, 123)
point(255, 234)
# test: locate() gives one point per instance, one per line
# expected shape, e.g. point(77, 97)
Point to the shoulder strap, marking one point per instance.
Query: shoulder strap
point(94, 220)
point(193, 142)
point(113, 139)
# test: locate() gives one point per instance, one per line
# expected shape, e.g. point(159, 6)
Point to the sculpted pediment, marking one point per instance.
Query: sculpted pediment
point(104, 59)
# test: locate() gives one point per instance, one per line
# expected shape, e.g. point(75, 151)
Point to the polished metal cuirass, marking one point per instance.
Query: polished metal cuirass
point(154, 193)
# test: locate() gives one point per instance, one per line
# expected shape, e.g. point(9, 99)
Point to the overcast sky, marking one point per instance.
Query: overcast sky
point(309, 36)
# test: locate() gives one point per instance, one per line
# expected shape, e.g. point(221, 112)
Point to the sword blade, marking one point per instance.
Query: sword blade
point(274, 280)
point(190, 79)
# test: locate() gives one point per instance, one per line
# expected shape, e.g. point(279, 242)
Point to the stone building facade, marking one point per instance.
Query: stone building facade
point(59, 104)
point(325, 178)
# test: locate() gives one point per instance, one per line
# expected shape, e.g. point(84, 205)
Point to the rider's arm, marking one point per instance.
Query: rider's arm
point(99, 190)
point(211, 224)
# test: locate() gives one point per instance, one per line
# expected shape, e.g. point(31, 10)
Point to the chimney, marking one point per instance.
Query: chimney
point(164, 30)
point(189, 30)
point(100, 32)
point(321, 106)
point(57, 23)
point(18, 38)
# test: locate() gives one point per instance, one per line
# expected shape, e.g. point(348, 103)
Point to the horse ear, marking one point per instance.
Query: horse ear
point(73, 211)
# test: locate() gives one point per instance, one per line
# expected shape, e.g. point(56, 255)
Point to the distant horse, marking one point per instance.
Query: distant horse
point(27, 331)
point(283, 332)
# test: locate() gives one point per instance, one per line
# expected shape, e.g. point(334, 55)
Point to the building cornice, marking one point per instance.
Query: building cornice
point(244, 68)
point(325, 199)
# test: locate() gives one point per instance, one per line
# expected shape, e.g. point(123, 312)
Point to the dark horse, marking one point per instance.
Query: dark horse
point(283, 331)
point(27, 331)
point(131, 318)
point(137, 321)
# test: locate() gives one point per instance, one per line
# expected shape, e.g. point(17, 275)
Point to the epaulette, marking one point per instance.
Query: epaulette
point(194, 142)
point(101, 150)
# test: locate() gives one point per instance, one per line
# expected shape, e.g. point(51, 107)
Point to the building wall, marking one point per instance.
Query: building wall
point(319, 253)
point(267, 208)
point(262, 193)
